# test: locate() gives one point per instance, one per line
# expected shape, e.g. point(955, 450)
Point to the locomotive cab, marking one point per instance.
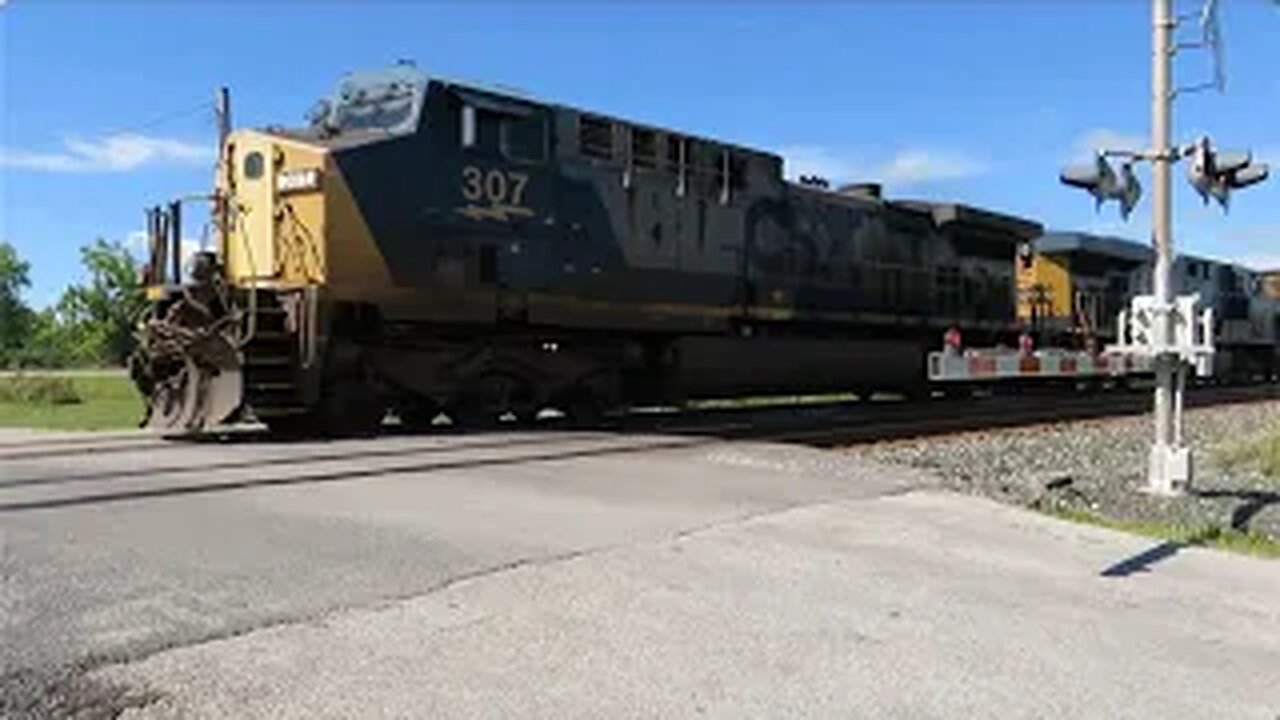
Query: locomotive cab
point(245, 326)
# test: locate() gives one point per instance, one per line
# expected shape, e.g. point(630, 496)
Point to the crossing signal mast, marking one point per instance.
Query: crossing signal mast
point(1170, 331)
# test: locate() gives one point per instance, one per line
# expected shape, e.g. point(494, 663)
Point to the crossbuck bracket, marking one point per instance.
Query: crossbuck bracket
point(1138, 331)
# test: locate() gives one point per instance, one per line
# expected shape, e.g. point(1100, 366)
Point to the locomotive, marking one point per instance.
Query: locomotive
point(424, 245)
point(428, 246)
point(1071, 287)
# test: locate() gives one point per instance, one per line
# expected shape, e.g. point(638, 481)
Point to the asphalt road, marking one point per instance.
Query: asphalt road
point(591, 575)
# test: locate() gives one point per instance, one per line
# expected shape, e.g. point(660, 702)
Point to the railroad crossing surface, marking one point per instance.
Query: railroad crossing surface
point(591, 575)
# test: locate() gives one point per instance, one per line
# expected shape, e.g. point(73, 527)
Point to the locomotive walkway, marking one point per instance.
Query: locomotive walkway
point(592, 575)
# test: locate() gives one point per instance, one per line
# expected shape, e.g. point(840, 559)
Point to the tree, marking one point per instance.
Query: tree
point(98, 317)
point(15, 317)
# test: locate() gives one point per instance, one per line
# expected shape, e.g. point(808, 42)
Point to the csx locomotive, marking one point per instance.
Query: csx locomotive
point(433, 246)
point(1072, 285)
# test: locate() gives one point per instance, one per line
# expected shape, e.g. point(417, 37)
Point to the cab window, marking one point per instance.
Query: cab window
point(524, 138)
point(253, 165)
point(497, 126)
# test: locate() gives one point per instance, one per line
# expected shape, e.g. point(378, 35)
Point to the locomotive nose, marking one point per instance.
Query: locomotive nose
point(273, 187)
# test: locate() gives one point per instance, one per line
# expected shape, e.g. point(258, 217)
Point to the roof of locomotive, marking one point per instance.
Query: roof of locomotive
point(1063, 243)
point(943, 214)
point(470, 86)
point(1017, 229)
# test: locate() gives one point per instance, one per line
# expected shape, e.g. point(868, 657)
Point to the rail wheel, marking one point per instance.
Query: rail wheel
point(293, 424)
point(584, 407)
point(483, 402)
point(344, 409)
point(418, 413)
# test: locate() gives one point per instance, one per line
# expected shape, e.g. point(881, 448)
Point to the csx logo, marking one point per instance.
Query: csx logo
point(500, 191)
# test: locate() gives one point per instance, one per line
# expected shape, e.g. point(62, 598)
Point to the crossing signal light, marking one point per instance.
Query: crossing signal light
point(1215, 173)
point(1102, 182)
point(1098, 179)
point(1129, 191)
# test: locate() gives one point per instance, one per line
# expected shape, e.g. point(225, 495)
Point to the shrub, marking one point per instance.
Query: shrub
point(39, 390)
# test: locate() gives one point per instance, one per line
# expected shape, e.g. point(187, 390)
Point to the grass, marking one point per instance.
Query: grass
point(764, 401)
point(1246, 542)
point(69, 402)
point(1261, 451)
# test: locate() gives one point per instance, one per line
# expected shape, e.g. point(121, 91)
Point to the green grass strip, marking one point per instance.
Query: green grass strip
point(1247, 542)
point(69, 402)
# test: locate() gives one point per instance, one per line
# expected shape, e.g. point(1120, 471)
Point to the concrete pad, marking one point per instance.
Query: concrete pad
point(903, 606)
point(132, 552)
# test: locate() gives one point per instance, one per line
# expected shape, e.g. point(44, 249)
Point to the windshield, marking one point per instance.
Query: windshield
point(387, 100)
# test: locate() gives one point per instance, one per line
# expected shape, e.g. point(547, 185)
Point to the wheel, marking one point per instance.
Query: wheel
point(353, 409)
point(418, 413)
point(584, 408)
point(345, 409)
point(294, 424)
point(486, 399)
point(469, 415)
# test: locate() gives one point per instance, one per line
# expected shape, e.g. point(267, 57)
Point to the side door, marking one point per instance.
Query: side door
point(251, 251)
point(503, 197)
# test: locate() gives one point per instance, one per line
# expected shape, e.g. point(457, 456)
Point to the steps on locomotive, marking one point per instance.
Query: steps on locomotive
point(271, 364)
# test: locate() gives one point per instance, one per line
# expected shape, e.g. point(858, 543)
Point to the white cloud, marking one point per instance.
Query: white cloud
point(907, 167)
point(800, 160)
point(1116, 228)
point(113, 153)
point(1260, 262)
point(918, 166)
point(1105, 139)
point(136, 241)
point(137, 244)
point(1254, 245)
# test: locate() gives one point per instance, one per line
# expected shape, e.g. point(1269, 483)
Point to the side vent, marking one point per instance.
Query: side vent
point(595, 137)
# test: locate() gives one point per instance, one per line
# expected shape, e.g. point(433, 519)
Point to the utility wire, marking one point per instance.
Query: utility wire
point(206, 105)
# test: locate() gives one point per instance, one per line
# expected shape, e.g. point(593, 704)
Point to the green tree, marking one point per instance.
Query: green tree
point(48, 344)
point(15, 317)
point(97, 318)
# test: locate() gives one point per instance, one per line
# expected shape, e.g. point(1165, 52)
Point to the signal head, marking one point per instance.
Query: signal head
point(1250, 174)
point(1129, 190)
point(1216, 173)
point(1229, 162)
point(1098, 178)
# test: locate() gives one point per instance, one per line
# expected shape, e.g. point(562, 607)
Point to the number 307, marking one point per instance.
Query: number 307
point(496, 186)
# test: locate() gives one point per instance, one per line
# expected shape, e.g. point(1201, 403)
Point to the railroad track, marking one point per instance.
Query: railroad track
point(364, 462)
point(814, 424)
point(936, 418)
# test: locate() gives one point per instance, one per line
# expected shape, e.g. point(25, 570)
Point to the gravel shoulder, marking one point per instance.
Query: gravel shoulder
point(1097, 468)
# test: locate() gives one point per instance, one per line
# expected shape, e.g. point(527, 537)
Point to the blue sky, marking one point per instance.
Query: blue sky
point(106, 106)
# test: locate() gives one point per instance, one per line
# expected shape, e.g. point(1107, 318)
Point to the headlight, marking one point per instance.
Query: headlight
point(298, 180)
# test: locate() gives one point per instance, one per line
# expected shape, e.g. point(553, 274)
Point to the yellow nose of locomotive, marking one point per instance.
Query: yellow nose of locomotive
point(273, 187)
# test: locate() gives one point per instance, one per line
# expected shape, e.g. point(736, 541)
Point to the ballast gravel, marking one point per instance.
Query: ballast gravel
point(1099, 466)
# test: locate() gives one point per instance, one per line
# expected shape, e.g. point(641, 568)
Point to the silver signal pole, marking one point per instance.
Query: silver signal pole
point(1167, 329)
point(1161, 473)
